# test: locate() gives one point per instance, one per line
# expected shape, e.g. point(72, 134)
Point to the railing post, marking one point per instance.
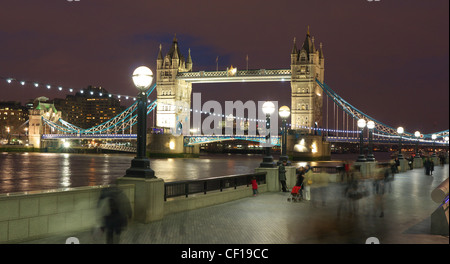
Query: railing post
point(205, 185)
point(165, 193)
point(186, 189)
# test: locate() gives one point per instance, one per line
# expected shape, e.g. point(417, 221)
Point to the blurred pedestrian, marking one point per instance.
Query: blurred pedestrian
point(427, 165)
point(431, 166)
point(300, 172)
point(379, 184)
point(307, 182)
point(115, 211)
point(282, 175)
point(254, 186)
point(347, 169)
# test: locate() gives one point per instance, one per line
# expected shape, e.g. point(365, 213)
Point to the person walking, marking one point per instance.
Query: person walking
point(282, 175)
point(115, 211)
point(379, 184)
point(307, 182)
point(254, 186)
point(427, 166)
point(431, 166)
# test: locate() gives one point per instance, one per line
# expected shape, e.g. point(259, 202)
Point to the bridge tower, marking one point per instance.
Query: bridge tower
point(307, 64)
point(36, 126)
point(171, 92)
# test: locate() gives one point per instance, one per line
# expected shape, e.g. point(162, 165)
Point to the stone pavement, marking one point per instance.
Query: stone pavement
point(270, 219)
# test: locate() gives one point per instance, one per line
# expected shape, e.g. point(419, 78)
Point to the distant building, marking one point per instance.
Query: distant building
point(90, 107)
point(12, 116)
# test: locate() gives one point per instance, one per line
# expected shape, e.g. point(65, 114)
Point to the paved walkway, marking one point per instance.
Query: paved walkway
point(270, 219)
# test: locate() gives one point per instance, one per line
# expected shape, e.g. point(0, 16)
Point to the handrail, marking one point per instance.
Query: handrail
point(187, 187)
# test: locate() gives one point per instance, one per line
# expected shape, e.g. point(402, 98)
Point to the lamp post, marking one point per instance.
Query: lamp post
point(361, 125)
point(400, 131)
point(448, 146)
point(433, 137)
point(417, 135)
point(370, 126)
point(140, 165)
point(268, 108)
point(284, 113)
point(8, 129)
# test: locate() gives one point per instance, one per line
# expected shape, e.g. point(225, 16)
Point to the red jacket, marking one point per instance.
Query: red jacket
point(254, 185)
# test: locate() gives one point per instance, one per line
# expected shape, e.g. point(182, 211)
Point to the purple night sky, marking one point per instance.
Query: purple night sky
point(389, 59)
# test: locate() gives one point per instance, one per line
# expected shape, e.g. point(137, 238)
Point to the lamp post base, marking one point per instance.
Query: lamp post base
point(267, 162)
point(361, 158)
point(140, 168)
point(370, 157)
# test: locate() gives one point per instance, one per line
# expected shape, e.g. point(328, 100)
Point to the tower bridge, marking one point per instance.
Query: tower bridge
point(174, 80)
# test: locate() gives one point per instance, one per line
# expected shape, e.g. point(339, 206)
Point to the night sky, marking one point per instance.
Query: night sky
point(389, 59)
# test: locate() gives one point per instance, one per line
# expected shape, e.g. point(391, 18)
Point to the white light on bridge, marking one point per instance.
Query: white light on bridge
point(66, 144)
point(172, 145)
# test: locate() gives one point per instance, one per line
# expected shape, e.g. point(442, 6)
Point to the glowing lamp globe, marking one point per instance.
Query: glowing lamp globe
point(370, 124)
point(142, 78)
point(361, 123)
point(433, 136)
point(417, 134)
point(284, 112)
point(400, 130)
point(268, 108)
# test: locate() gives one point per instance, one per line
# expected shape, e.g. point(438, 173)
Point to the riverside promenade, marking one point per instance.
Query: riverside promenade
point(270, 219)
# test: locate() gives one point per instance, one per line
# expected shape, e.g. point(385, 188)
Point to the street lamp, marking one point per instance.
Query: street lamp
point(8, 129)
point(370, 126)
point(361, 125)
point(140, 165)
point(448, 146)
point(417, 135)
point(400, 131)
point(433, 137)
point(268, 108)
point(284, 113)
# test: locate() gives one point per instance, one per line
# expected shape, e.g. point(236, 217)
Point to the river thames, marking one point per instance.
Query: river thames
point(22, 172)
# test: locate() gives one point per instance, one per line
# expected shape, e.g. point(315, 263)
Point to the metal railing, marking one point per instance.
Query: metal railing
point(186, 188)
point(327, 169)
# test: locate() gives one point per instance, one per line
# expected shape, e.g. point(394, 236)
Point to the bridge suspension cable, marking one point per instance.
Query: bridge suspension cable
point(356, 114)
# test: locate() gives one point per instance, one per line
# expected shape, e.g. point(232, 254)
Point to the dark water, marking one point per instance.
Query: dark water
point(20, 172)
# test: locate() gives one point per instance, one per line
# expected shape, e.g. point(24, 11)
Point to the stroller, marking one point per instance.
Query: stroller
point(296, 194)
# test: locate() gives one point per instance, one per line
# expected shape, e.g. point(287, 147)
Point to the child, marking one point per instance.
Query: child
point(254, 186)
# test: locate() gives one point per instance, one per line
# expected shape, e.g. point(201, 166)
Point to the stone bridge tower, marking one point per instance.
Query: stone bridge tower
point(173, 95)
point(36, 125)
point(307, 64)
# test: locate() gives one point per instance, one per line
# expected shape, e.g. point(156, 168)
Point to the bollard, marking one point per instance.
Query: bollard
point(439, 193)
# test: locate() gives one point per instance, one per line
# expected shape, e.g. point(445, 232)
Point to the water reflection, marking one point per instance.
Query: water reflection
point(21, 172)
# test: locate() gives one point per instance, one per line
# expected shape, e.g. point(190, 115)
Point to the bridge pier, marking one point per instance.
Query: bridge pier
point(168, 145)
point(307, 147)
